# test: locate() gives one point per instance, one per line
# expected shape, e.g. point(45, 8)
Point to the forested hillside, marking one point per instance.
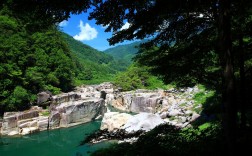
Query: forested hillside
point(138, 77)
point(135, 76)
point(35, 56)
point(95, 66)
point(206, 42)
point(31, 61)
point(125, 53)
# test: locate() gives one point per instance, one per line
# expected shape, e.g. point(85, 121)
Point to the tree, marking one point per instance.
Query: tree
point(41, 14)
point(241, 36)
point(184, 31)
point(137, 77)
point(35, 55)
point(226, 54)
point(30, 62)
point(177, 26)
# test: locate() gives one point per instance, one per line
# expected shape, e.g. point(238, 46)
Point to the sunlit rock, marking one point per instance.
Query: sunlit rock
point(75, 112)
point(143, 121)
point(114, 120)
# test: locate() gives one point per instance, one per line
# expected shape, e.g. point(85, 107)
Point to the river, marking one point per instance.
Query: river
point(58, 142)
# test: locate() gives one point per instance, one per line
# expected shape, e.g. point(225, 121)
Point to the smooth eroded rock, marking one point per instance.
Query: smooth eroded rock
point(143, 121)
point(76, 112)
point(114, 120)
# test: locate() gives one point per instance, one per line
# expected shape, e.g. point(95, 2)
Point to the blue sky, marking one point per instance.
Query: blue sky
point(86, 31)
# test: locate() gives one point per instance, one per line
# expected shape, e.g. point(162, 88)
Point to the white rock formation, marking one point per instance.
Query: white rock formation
point(76, 112)
point(143, 121)
point(114, 120)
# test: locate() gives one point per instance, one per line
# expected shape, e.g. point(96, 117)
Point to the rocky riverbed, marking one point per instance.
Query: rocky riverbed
point(67, 109)
point(175, 107)
point(87, 103)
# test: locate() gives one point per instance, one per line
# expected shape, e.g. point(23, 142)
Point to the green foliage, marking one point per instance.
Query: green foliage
point(94, 66)
point(204, 126)
point(124, 53)
point(41, 15)
point(38, 57)
point(191, 42)
point(45, 113)
point(184, 63)
point(31, 62)
point(19, 99)
point(209, 99)
point(136, 77)
point(168, 140)
point(86, 52)
point(52, 89)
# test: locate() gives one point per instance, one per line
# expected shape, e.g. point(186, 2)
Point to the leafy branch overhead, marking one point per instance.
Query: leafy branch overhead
point(190, 41)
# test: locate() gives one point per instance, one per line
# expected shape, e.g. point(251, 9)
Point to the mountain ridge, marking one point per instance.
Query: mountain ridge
point(95, 66)
point(124, 52)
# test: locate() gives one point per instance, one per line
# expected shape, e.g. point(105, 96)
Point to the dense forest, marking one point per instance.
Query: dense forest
point(125, 53)
point(136, 76)
point(48, 59)
point(35, 59)
point(192, 42)
point(94, 66)
point(31, 61)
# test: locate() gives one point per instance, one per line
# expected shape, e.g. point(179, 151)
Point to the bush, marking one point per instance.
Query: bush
point(138, 77)
point(168, 140)
point(18, 100)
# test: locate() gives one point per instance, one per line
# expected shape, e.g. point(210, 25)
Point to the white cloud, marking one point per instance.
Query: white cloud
point(86, 32)
point(125, 26)
point(63, 23)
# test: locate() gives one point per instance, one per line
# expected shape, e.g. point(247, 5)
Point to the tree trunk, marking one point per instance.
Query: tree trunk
point(229, 108)
point(242, 83)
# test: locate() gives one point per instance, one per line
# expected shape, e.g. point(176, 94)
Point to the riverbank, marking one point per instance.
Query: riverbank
point(63, 142)
point(119, 114)
point(88, 103)
point(82, 105)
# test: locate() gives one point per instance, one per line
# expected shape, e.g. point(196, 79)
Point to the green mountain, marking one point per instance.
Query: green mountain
point(85, 52)
point(124, 52)
point(31, 61)
point(95, 66)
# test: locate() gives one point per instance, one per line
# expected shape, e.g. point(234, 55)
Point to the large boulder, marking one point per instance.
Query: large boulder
point(107, 87)
point(143, 121)
point(144, 102)
point(43, 97)
point(114, 120)
point(139, 101)
point(13, 121)
point(76, 112)
point(65, 97)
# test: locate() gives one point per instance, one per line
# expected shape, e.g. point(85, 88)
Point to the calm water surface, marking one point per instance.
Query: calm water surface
point(59, 142)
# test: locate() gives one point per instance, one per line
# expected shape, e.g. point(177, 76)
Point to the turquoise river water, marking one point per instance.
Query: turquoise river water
point(58, 142)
